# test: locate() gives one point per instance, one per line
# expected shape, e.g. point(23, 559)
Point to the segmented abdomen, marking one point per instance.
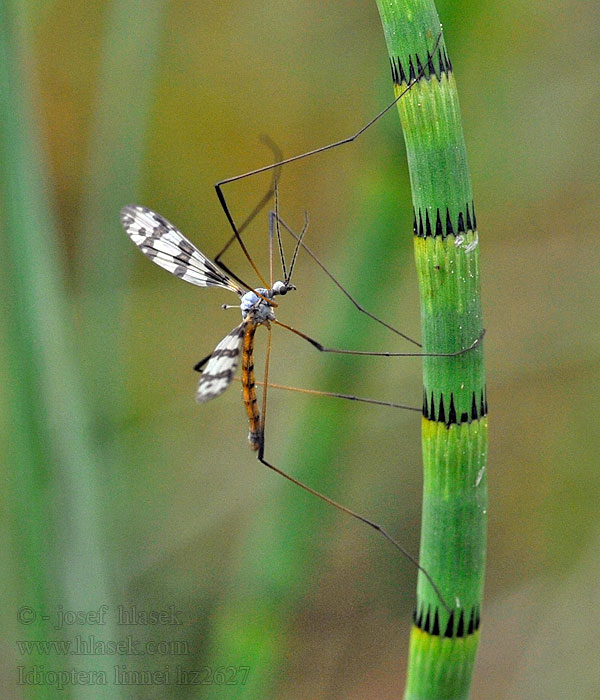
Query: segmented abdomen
point(249, 387)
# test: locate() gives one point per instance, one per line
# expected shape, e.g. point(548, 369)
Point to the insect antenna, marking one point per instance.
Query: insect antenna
point(297, 248)
point(278, 231)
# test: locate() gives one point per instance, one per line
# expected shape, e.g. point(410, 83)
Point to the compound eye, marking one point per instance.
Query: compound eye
point(280, 288)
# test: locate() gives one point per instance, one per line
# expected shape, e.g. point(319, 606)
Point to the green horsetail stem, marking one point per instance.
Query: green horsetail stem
point(454, 428)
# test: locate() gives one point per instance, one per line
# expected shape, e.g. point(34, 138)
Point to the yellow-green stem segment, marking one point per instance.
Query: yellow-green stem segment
point(454, 428)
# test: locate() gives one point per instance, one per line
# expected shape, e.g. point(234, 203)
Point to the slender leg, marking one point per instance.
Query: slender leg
point(257, 209)
point(219, 185)
point(335, 504)
point(337, 395)
point(265, 388)
point(353, 514)
point(199, 366)
point(340, 351)
point(344, 291)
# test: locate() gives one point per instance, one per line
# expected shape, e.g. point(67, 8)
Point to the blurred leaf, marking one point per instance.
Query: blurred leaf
point(55, 504)
point(130, 52)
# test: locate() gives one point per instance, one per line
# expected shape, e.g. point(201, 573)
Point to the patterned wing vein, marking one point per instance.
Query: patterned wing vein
point(165, 245)
point(221, 367)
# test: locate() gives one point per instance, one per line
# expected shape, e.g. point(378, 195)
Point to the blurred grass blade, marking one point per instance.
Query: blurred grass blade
point(55, 518)
point(117, 144)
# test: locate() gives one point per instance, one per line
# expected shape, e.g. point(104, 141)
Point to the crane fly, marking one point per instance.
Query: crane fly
point(165, 245)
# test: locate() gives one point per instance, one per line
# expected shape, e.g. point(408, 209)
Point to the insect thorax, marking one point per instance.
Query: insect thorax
point(257, 308)
point(252, 305)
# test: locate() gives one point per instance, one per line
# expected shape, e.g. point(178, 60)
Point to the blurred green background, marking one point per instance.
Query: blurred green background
point(120, 490)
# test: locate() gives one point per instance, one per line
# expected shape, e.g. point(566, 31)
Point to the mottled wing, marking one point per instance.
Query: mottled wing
point(219, 371)
point(168, 247)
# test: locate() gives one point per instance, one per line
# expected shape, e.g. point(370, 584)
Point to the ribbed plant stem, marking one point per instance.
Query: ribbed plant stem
point(454, 428)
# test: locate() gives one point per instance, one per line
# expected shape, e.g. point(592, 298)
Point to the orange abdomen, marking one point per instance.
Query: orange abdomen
point(249, 388)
